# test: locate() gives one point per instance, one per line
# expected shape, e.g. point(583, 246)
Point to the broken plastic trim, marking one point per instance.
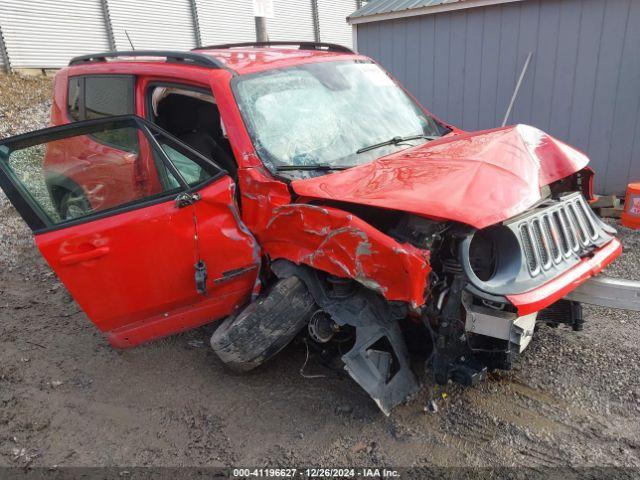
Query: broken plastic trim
point(385, 375)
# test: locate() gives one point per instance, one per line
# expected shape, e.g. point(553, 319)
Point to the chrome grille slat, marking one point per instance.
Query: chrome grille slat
point(527, 244)
point(580, 228)
point(551, 235)
point(586, 218)
point(570, 229)
point(564, 237)
point(541, 243)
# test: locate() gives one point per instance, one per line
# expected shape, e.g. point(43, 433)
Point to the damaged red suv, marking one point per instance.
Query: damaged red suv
point(298, 189)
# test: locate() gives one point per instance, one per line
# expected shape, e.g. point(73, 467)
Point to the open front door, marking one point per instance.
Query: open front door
point(142, 230)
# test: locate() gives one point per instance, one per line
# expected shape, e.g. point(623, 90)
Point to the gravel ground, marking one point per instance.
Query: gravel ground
point(67, 398)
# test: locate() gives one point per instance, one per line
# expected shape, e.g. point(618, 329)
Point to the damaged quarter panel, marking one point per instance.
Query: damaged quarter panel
point(342, 244)
point(260, 196)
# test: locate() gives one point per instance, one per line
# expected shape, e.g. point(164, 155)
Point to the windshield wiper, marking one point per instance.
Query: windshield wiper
point(395, 141)
point(316, 166)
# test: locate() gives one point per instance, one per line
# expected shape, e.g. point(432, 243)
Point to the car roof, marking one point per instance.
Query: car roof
point(244, 60)
point(239, 58)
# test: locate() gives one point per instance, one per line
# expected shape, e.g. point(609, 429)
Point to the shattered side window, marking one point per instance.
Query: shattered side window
point(324, 112)
point(68, 176)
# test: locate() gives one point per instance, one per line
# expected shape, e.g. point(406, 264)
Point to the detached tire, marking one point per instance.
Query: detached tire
point(254, 335)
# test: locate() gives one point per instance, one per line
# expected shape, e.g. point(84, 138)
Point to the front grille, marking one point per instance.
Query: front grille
point(557, 231)
point(542, 243)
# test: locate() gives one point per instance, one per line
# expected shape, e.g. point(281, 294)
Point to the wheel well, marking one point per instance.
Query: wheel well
point(57, 194)
point(59, 187)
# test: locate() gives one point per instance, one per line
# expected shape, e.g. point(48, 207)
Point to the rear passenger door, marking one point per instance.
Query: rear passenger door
point(90, 97)
point(112, 203)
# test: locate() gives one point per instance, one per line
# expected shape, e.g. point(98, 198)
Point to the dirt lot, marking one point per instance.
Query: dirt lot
point(67, 398)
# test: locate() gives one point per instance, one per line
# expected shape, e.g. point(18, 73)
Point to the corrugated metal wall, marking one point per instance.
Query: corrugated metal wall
point(293, 20)
point(3, 52)
point(159, 24)
point(46, 33)
point(223, 22)
point(332, 17)
point(583, 84)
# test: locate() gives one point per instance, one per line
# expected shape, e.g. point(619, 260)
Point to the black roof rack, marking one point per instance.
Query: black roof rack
point(189, 58)
point(330, 47)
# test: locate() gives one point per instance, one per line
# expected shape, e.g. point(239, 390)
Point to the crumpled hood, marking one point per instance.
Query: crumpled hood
point(479, 178)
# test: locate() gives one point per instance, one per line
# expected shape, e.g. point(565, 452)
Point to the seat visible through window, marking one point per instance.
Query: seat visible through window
point(197, 123)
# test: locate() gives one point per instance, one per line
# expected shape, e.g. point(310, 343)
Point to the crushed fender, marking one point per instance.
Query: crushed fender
point(340, 243)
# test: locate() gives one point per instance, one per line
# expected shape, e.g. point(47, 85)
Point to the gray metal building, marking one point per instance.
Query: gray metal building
point(47, 33)
point(462, 60)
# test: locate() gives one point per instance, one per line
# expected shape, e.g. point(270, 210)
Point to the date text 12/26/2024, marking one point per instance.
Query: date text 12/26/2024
point(239, 473)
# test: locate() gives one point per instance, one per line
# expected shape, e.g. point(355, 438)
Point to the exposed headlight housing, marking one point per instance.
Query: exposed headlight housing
point(492, 256)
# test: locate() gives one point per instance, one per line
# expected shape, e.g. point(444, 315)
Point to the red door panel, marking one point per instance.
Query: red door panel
point(139, 284)
point(146, 267)
point(132, 268)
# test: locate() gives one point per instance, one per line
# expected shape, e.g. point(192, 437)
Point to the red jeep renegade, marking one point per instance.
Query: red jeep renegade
point(302, 189)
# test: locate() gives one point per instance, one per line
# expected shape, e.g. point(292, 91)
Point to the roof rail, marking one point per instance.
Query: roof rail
point(331, 47)
point(189, 58)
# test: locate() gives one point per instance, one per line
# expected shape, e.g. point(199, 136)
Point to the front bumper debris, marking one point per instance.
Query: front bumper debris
point(379, 360)
point(556, 289)
point(608, 292)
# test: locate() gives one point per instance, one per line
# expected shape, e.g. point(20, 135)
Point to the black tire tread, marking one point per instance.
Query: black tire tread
point(263, 328)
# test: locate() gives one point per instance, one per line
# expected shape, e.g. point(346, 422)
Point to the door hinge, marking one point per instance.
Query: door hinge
point(185, 199)
point(201, 277)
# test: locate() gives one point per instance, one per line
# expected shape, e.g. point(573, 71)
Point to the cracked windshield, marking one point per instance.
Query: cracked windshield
point(330, 116)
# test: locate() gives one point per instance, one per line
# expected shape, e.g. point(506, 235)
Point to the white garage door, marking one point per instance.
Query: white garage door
point(226, 21)
point(47, 33)
point(157, 24)
point(293, 20)
point(332, 15)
